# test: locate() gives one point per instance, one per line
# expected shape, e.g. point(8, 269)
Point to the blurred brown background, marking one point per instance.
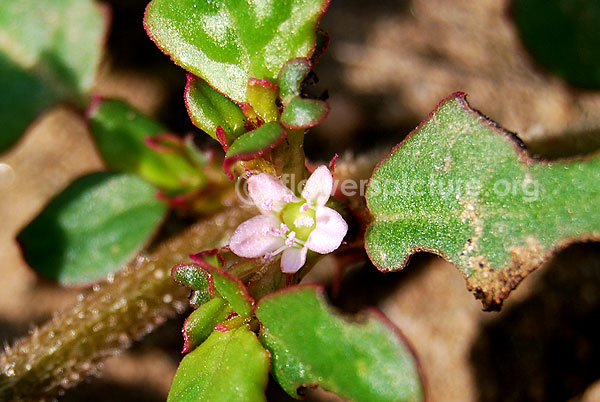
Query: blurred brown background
point(388, 65)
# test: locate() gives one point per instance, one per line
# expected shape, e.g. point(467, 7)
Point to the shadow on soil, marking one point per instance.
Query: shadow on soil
point(546, 347)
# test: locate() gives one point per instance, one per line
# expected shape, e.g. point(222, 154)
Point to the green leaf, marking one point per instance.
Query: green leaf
point(233, 291)
point(120, 132)
point(304, 113)
point(195, 278)
point(226, 42)
point(262, 96)
point(49, 52)
point(259, 277)
point(209, 109)
point(199, 325)
point(563, 36)
point(230, 366)
point(205, 278)
point(254, 144)
point(92, 228)
point(311, 345)
point(460, 187)
point(290, 77)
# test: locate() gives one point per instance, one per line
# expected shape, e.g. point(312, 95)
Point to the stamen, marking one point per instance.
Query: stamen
point(290, 239)
point(304, 207)
point(279, 250)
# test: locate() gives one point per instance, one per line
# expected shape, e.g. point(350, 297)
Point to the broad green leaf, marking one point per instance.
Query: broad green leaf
point(233, 291)
point(563, 36)
point(49, 52)
point(311, 345)
point(254, 144)
point(97, 224)
point(199, 325)
point(462, 188)
point(209, 109)
point(195, 278)
point(230, 366)
point(121, 132)
point(226, 42)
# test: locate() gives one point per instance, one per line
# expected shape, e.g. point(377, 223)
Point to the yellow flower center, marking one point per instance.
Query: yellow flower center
point(298, 217)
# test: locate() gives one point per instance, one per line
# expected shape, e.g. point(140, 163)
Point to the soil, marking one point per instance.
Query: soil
point(388, 65)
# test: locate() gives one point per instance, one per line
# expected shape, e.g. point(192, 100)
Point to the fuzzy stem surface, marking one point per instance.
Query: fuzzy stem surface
point(107, 319)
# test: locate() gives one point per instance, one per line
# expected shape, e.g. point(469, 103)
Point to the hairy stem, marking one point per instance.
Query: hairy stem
point(123, 308)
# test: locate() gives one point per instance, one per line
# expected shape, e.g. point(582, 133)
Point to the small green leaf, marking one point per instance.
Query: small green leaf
point(462, 188)
point(211, 281)
point(254, 144)
point(563, 36)
point(121, 134)
point(199, 325)
point(49, 52)
point(209, 109)
point(290, 77)
point(262, 96)
point(92, 228)
point(311, 345)
point(259, 277)
point(230, 366)
point(227, 42)
point(304, 113)
point(195, 278)
point(233, 291)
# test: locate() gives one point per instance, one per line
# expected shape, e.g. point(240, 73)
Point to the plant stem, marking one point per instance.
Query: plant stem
point(290, 161)
point(121, 309)
point(295, 164)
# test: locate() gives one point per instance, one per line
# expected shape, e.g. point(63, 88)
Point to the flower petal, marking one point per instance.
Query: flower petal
point(268, 193)
point(319, 186)
point(255, 237)
point(293, 259)
point(329, 232)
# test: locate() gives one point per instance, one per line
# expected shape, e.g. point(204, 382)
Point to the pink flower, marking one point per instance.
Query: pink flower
point(288, 224)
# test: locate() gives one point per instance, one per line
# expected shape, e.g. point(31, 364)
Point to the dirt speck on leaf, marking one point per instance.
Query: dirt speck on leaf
point(470, 247)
